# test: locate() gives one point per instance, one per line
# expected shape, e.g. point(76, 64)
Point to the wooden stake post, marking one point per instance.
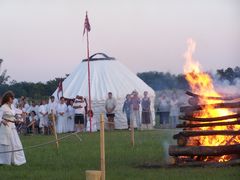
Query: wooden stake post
point(102, 146)
point(132, 132)
point(54, 129)
point(93, 175)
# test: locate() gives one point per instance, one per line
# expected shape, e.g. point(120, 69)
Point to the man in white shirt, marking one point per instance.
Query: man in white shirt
point(33, 107)
point(110, 106)
point(15, 102)
point(26, 105)
point(52, 105)
point(79, 105)
point(43, 112)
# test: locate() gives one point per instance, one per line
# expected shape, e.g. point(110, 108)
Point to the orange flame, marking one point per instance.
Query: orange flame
point(201, 83)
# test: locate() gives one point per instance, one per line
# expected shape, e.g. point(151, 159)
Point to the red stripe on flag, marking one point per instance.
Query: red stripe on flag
point(60, 88)
point(87, 26)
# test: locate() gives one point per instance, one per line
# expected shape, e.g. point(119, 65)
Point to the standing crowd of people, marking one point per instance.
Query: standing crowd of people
point(136, 109)
point(44, 118)
point(167, 110)
point(65, 116)
point(73, 115)
point(62, 116)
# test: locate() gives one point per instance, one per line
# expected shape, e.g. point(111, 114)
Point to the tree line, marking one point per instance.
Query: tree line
point(32, 90)
point(157, 80)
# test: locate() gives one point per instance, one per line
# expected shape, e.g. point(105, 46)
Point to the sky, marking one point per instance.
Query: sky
point(43, 39)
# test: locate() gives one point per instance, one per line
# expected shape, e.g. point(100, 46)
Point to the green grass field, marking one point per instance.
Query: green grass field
point(122, 161)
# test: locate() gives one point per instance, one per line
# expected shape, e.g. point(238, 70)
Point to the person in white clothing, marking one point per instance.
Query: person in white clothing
point(135, 108)
point(164, 110)
point(52, 105)
point(21, 125)
point(33, 122)
point(61, 116)
point(79, 105)
point(9, 139)
point(94, 122)
point(174, 110)
point(110, 106)
point(26, 106)
point(52, 112)
point(15, 102)
point(35, 108)
point(71, 113)
point(43, 123)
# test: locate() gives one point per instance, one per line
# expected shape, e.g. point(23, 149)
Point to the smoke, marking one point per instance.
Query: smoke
point(226, 87)
point(165, 144)
point(165, 151)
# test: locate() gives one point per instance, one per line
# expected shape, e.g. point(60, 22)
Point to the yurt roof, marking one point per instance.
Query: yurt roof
point(107, 75)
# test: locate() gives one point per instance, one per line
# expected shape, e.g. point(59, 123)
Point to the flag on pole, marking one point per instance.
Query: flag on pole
point(0, 64)
point(60, 88)
point(87, 29)
point(87, 26)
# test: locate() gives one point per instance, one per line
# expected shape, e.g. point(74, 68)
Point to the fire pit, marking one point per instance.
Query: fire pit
point(211, 127)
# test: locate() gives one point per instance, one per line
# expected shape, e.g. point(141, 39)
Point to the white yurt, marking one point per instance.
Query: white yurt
point(106, 75)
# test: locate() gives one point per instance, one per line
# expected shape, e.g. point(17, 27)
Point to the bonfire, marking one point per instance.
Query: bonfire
point(211, 128)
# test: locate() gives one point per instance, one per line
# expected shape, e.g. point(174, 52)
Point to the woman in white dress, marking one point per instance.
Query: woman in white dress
point(62, 116)
point(9, 139)
point(94, 121)
point(71, 113)
point(43, 112)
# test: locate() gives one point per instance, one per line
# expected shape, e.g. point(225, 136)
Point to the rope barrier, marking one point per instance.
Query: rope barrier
point(140, 111)
point(44, 144)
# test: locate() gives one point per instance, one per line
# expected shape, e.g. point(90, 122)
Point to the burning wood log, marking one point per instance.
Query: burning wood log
point(205, 133)
point(221, 118)
point(203, 150)
point(189, 109)
point(182, 141)
point(193, 101)
point(229, 98)
point(187, 125)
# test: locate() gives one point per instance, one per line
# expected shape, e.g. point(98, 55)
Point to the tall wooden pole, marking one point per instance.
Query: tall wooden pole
point(1, 64)
point(102, 146)
point(132, 130)
point(89, 83)
point(62, 86)
point(54, 129)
